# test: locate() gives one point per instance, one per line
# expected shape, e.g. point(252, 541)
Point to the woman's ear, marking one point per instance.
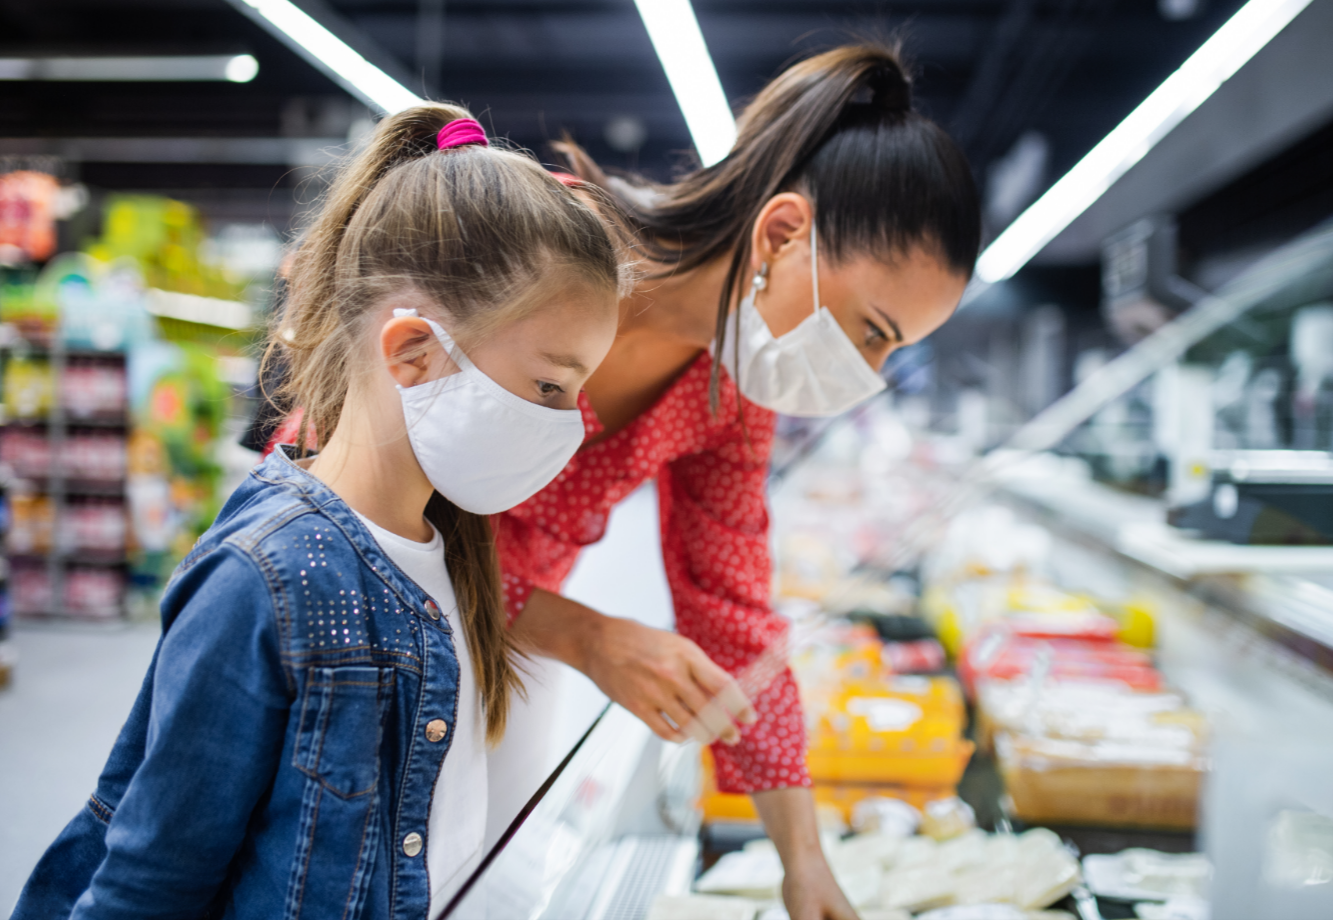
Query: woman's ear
point(407, 343)
point(784, 220)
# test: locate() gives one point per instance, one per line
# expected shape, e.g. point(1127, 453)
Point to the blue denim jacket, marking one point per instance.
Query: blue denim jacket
point(276, 762)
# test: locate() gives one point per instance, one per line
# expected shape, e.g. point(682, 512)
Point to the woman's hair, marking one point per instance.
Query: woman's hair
point(481, 234)
point(838, 127)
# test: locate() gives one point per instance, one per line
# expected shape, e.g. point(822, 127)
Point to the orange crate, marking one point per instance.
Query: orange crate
point(723, 806)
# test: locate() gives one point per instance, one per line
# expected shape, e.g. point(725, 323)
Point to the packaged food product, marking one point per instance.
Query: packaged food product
point(30, 590)
point(31, 525)
point(94, 525)
point(885, 815)
point(920, 656)
point(27, 215)
point(28, 388)
point(847, 797)
point(1139, 874)
point(945, 819)
point(1108, 782)
point(26, 451)
point(99, 457)
point(93, 592)
point(94, 389)
point(1086, 711)
point(916, 888)
point(752, 872)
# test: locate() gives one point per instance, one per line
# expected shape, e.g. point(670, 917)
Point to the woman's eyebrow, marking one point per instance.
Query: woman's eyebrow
point(889, 319)
point(568, 361)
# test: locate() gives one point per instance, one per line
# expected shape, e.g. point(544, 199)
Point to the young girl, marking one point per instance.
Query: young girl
point(310, 741)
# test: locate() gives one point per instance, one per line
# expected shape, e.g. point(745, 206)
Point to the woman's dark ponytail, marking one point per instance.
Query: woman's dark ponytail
point(838, 127)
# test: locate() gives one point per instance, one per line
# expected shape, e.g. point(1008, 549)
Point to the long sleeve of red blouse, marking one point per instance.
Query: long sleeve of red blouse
point(715, 547)
point(711, 474)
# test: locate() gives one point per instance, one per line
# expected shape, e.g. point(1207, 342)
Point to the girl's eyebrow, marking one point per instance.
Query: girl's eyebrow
point(889, 319)
point(568, 361)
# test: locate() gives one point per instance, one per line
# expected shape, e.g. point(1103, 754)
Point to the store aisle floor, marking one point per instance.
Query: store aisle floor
point(72, 689)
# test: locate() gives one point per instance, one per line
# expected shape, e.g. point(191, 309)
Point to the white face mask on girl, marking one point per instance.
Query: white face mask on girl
point(482, 447)
point(814, 370)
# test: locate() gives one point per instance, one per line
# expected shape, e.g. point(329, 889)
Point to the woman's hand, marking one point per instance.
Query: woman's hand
point(664, 679)
point(808, 888)
point(810, 892)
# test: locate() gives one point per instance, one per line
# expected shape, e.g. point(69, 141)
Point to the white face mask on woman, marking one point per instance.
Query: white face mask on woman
point(482, 447)
point(814, 370)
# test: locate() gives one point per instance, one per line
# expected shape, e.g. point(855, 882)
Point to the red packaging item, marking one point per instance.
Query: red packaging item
point(27, 216)
point(922, 656)
point(30, 590)
point(97, 457)
point(94, 390)
point(96, 526)
point(93, 592)
point(998, 654)
point(26, 451)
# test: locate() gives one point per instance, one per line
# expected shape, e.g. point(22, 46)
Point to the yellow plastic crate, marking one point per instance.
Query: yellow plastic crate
point(903, 731)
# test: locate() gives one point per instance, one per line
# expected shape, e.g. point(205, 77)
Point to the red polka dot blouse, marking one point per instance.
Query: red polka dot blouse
point(711, 473)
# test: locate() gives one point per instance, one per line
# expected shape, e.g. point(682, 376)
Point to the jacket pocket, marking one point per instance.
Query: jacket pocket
point(342, 724)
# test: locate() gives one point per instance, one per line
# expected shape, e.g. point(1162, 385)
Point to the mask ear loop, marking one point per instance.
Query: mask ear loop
point(814, 265)
point(451, 349)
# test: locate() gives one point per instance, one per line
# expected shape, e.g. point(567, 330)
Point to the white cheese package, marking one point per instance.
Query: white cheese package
point(886, 872)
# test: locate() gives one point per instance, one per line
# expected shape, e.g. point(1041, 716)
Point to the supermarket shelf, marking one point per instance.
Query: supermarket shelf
point(75, 557)
point(110, 488)
point(70, 422)
point(28, 348)
point(115, 618)
point(1134, 526)
point(1175, 553)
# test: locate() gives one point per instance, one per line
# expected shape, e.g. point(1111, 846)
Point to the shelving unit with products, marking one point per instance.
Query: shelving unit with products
point(63, 454)
point(115, 366)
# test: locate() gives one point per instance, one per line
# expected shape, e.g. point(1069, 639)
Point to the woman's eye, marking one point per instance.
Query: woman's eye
point(548, 389)
point(874, 334)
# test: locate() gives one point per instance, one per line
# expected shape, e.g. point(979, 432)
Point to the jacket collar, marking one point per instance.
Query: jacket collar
point(279, 468)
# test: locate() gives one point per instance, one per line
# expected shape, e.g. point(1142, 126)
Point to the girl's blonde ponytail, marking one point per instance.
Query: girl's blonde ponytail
point(313, 309)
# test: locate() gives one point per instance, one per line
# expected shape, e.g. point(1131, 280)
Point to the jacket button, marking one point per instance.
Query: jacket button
point(432, 610)
point(412, 844)
point(436, 729)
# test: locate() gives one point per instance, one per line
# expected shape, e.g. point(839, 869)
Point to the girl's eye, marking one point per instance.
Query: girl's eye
point(548, 389)
point(874, 334)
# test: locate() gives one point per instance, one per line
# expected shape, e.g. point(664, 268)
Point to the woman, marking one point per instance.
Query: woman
point(842, 225)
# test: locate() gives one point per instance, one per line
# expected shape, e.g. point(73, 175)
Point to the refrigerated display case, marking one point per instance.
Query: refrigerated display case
point(1151, 699)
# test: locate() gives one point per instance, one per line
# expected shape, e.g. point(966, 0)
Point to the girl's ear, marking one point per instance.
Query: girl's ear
point(785, 219)
point(411, 352)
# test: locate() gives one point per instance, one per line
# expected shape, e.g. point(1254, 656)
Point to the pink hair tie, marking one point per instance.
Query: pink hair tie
point(460, 133)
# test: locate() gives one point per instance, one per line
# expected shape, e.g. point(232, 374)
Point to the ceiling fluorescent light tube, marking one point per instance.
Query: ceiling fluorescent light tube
point(237, 68)
point(689, 69)
point(360, 77)
point(1230, 47)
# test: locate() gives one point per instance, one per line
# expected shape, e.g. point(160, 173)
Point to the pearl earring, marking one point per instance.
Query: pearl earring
point(761, 280)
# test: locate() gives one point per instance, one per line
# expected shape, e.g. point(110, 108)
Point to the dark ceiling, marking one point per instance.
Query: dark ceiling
point(990, 70)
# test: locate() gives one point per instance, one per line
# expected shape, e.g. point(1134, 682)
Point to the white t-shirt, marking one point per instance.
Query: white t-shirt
point(457, 823)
